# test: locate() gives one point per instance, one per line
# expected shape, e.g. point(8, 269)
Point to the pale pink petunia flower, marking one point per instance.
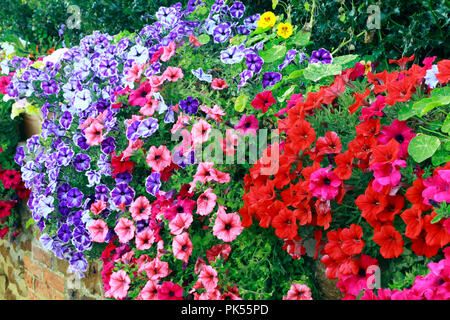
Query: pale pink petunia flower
point(149, 107)
point(298, 291)
point(156, 269)
point(181, 222)
point(169, 51)
point(94, 134)
point(204, 172)
point(135, 72)
point(215, 113)
point(149, 291)
point(200, 132)
point(156, 82)
point(173, 74)
point(227, 226)
point(120, 283)
point(145, 239)
point(206, 202)
point(182, 247)
point(208, 278)
point(98, 230)
point(159, 158)
point(182, 121)
point(125, 230)
point(97, 207)
point(140, 208)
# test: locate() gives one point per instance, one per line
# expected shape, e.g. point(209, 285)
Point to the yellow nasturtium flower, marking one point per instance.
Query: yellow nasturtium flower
point(367, 66)
point(284, 30)
point(267, 19)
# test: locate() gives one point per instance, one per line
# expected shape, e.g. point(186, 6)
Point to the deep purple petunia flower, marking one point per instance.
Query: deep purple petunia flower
point(153, 183)
point(102, 193)
point(237, 9)
point(254, 62)
point(221, 33)
point(323, 56)
point(190, 105)
point(122, 193)
point(66, 120)
point(50, 87)
point(64, 233)
point(270, 78)
point(74, 198)
point(108, 145)
point(81, 162)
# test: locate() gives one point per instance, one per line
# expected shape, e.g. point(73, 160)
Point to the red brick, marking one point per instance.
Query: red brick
point(34, 268)
point(29, 280)
point(59, 296)
point(43, 289)
point(42, 256)
point(53, 280)
point(61, 266)
point(26, 245)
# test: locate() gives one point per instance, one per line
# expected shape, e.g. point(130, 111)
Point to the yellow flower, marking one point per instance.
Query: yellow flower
point(284, 30)
point(267, 19)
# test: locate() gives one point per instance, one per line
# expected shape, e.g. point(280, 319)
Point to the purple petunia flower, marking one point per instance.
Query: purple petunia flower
point(153, 183)
point(122, 193)
point(270, 78)
point(132, 133)
point(190, 105)
point(147, 127)
point(20, 156)
point(93, 178)
point(323, 56)
point(81, 239)
point(290, 56)
point(64, 155)
point(237, 9)
point(245, 76)
point(254, 62)
point(66, 119)
point(108, 145)
point(102, 193)
point(50, 87)
point(243, 30)
point(64, 233)
point(81, 162)
point(232, 55)
point(201, 75)
point(78, 264)
point(221, 33)
point(74, 198)
point(62, 190)
point(123, 177)
point(107, 68)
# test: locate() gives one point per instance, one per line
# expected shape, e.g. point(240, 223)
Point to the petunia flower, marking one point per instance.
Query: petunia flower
point(324, 184)
point(200, 132)
point(298, 291)
point(173, 74)
point(140, 209)
point(158, 158)
point(120, 284)
point(170, 291)
point(270, 78)
point(219, 84)
point(182, 247)
point(145, 239)
point(399, 131)
point(247, 124)
point(125, 230)
point(263, 101)
point(208, 278)
point(98, 230)
point(321, 56)
point(206, 202)
point(227, 226)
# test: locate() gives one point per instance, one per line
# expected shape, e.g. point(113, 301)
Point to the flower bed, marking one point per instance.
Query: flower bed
point(142, 159)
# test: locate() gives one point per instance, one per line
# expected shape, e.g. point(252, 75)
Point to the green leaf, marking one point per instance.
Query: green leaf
point(307, 6)
point(440, 157)
point(203, 39)
point(295, 74)
point(439, 97)
point(406, 112)
point(342, 60)
point(447, 146)
point(300, 39)
point(423, 146)
point(287, 93)
point(240, 103)
point(274, 4)
point(446, 126)
point(317, 71)
point(29, 223)
point(273, 54)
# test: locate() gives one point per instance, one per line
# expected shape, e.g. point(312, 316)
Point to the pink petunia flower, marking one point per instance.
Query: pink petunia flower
point(169, 51)
point(94, 134)
point(156, 82)
point(206, 202)
point(120, 283)
point(200, 132)
point(149, 291)
point(182, 247)
point(140, 96)
point(135, 72)
point(204, 172)
point(173, 74)
point(219, 84)
point(180, 223)
point(149, 108)
point(399, 131)
point(208, 278)
point(247, 125)
point(98, 230)
point(125, 230)
point(215, 113)
point(386, 174)
point(170, 291)
point(140, 209)
point(145, 239)
point(298, 291)
point(97, 207)
point(324, 184)
point(159, 158)
point(437, 187)
point(227, 226)
point(156, 269)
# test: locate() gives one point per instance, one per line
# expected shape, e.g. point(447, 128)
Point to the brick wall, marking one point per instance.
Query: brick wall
point(29, 272)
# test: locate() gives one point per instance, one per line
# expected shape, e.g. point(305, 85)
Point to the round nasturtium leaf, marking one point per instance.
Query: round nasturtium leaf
point(423, 146)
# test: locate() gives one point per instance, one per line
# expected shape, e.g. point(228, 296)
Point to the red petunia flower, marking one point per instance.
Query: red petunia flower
point(360, 100)
point(390, 241)
point(444, 71)
point(285, 224)
point(170, 291)
point(330, 143)
point(402, 61)
point(10, 178)
point(352, 242)
point(414, 222)
point(344, 162)
point(119, 165)
point(263, 101)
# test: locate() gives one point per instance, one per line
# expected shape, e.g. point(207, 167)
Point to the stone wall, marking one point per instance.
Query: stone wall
point(29, 272)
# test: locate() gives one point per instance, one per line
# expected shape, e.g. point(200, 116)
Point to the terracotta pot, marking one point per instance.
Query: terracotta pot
point(327, 286)
point(32, 125)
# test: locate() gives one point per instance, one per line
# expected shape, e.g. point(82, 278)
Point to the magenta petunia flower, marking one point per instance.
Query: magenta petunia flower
point(324, 184)
point(399, 131)
point(437, 187)
point(247, 125)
